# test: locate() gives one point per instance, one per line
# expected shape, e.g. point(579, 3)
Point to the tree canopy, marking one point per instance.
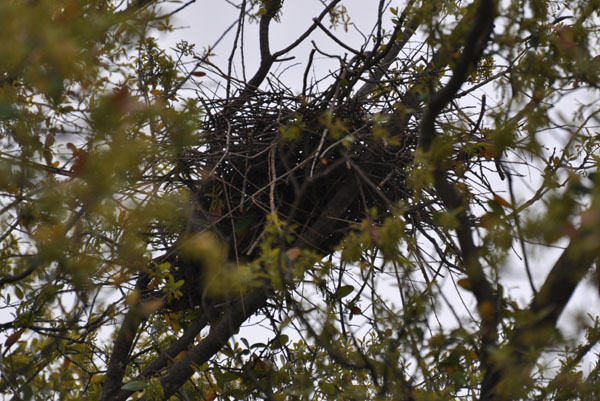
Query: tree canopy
point(179, 224)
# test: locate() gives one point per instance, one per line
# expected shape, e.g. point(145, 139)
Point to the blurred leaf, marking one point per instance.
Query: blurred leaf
point(465, 283)
point(502, 202)
point(344, 291)
point(13, 338)
point(135, 386)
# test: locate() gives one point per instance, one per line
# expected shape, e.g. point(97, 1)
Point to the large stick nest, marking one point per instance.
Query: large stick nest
point(250, 168)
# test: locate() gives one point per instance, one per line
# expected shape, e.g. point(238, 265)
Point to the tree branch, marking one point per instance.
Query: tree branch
point(474, 44)
point(316, 22)
point(184, 368)
point(266, 58)
point(537, 331)
point(168, 355)
point(392, 50)
point(122, 345)
point(33, 265)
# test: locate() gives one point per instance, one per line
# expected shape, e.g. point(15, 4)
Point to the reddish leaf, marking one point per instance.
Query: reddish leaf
point(209, 396)
point(120, 30)
point(355, 310)
point(566, 37)
point(502, 202)
point(73, 148)
point(465, 283)
point(120, 95)
point(79, 159)
point(79, 163)
point(10, 340)
point(293, 254)
point(49, 141)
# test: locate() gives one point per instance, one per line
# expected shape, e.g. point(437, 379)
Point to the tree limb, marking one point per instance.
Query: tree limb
point(183, 369)
point(122, 345)
point(531, 337)
point(474, 44)
point(168, 355)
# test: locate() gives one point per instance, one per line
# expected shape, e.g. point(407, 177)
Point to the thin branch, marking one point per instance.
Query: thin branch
point(391, 52)
point(334, 38)
point(305, 35)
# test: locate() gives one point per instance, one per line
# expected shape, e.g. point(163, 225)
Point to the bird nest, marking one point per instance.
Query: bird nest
point(289, 156)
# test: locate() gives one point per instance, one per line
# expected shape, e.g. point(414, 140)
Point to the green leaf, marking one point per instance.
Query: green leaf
point(344, 291)
point(327, 387)
point(135, 386)
point(18, 292)
point(229, 376)
point(284, 338)
point(280, 341)
point(27, 392)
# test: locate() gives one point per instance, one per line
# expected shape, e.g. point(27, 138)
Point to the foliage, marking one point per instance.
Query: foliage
point(263, 240)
